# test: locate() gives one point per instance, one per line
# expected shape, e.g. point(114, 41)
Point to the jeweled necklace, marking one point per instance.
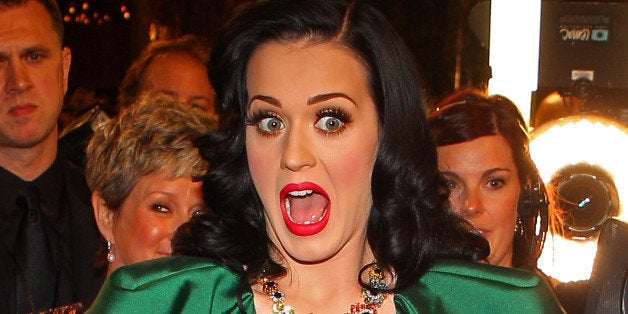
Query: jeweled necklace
point(373, 292)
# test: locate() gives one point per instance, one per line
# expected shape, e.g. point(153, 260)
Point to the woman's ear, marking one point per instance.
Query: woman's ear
point(104, 216)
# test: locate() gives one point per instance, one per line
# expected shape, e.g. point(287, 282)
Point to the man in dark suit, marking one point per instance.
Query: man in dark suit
point(48, 236)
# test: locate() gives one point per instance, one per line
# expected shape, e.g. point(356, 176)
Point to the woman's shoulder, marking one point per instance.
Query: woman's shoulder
point(493, 275)
point(455, 286)
point(168, 285)
point(135, 276)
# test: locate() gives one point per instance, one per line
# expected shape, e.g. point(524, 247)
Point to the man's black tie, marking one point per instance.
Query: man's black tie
point(36, 278)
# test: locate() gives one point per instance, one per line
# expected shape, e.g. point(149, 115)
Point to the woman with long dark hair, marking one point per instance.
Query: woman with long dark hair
point(324, 184)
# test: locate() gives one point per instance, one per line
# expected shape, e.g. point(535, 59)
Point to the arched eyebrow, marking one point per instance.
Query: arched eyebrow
point(310, 101)
point(324, 97)
point(266, 99)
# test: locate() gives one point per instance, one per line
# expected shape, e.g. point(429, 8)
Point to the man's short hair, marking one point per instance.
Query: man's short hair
point(191, 45)
point(51, 7)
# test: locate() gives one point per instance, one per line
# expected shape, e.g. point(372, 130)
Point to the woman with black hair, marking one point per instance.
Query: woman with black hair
point(324, 184)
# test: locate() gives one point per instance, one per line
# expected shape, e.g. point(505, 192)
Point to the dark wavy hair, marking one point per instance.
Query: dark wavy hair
point(408, 227)
point(469, 114)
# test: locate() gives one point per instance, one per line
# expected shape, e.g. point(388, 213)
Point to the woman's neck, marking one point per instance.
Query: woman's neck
point(330, 286)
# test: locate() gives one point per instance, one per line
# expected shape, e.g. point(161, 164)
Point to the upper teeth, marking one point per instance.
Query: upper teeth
point(300, 193)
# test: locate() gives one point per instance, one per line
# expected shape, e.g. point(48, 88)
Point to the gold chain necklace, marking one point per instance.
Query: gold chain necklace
point(373, 292)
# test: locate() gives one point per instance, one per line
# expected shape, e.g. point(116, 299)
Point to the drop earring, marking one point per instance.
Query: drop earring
point(519, 226)
point(110, 256)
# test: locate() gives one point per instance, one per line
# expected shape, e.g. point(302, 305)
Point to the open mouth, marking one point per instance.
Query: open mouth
point(305, 208)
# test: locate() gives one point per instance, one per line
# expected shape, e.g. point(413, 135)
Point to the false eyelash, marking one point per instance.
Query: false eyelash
point(256, 117)
point(335, 112)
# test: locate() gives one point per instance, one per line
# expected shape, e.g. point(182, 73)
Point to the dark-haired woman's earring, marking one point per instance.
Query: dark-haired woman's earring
point(110, 256)
point(518, 226)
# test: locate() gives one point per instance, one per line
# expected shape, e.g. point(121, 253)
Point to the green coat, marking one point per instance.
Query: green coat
point(197, 285)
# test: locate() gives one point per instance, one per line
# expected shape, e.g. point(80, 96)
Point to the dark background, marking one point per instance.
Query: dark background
point(436, 31)
point(449, 39)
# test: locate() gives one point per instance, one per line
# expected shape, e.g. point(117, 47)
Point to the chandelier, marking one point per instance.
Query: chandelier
point(95, 12)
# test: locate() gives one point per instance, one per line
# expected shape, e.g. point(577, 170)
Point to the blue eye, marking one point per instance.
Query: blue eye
point(332, 120)
point(329, 124)
point(270, 125)
point(266, 123)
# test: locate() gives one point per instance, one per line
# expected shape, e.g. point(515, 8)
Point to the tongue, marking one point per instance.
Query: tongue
point(307, 209)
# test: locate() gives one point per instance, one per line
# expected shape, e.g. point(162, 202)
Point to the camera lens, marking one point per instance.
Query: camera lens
point(585, 196)
point(585, 202)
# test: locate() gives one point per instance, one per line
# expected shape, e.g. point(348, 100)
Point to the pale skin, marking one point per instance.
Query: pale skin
point(182, 76)
point(142, 228)
point(34, 71)
point(311, 121)
point(485, 188)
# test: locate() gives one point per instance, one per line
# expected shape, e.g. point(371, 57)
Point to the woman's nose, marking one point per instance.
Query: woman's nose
point(472, 204)
point(467, 203)
point(298, 151)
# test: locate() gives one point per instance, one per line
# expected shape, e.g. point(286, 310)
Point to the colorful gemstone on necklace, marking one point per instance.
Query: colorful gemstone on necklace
point(373, 296)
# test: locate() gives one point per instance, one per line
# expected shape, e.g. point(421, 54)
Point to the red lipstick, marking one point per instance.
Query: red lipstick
point(290, 194)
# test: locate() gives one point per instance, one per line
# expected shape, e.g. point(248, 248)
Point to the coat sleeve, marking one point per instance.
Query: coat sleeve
point(463, 287)
point(171, 285)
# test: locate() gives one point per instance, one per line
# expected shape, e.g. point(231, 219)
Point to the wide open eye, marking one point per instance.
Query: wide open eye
point(329, 124)
point(270, 125)
point(332, 120)
point(266, 123)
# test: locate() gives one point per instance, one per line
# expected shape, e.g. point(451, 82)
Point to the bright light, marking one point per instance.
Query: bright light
point(567, 260)
point(514, 51)
point(572, 140)
point(590, 139)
